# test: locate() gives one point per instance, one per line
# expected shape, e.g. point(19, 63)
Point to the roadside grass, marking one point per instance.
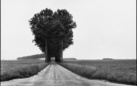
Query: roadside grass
point(20, 69)
point(104, 70)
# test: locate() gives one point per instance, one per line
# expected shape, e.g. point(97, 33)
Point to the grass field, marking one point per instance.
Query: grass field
point(119, 71)
point(20, 69)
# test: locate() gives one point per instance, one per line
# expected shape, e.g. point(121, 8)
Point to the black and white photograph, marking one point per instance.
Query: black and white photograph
point(68, 43)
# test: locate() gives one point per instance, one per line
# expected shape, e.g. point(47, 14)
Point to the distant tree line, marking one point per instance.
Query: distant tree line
point(36, 56)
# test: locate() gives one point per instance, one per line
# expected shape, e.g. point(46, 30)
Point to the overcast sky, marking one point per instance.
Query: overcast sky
point(105, 28)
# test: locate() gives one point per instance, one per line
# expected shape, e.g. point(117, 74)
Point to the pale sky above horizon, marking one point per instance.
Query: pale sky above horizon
point(105, 28)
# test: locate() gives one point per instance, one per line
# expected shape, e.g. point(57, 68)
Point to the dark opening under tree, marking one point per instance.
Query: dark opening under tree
point(52, 32)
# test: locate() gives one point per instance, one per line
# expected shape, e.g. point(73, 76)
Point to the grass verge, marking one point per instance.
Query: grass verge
point(22, 71)
point(92, 72)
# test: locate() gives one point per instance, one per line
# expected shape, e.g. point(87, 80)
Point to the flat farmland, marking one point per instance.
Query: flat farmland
point(12, 69)
point(11, 64)
point(119, 71)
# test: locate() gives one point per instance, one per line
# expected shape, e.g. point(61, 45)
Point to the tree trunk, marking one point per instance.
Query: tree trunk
point(47, 58)
point(59, 56)
point(61, 51)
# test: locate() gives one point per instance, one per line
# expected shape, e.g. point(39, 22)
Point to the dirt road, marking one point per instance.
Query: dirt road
point(55, 75)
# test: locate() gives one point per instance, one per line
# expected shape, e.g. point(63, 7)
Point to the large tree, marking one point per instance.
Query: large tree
point(52, 32)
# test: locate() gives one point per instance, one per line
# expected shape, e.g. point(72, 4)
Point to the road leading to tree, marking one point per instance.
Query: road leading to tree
point(56, 75)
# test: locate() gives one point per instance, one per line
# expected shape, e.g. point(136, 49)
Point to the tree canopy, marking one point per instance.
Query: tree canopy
point(52, 27)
